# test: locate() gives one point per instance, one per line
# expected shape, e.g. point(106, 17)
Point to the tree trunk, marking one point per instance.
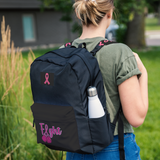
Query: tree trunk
point(135, 37)
point(159, 14)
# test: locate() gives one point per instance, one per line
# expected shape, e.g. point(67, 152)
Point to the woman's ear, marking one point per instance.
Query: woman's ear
point(109, 14)
point(108, 18)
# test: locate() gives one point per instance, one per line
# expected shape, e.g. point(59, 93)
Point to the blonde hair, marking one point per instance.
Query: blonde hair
point(92, 11)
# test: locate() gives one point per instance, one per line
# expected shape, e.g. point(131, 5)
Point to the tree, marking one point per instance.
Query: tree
point(131, 15)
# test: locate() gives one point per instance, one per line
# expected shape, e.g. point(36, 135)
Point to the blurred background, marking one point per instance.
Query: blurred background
point(30, 28)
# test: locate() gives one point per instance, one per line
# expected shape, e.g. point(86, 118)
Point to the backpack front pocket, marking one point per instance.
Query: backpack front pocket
point(56, 126)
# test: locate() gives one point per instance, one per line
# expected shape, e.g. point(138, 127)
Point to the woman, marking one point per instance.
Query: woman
point(124, 75)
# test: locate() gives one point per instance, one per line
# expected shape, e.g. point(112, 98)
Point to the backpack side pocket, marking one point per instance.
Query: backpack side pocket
point(101, 133)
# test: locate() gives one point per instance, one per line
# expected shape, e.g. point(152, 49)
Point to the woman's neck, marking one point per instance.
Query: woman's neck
point(93, 31)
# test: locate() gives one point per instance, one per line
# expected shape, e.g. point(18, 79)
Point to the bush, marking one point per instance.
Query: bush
point(121, 34)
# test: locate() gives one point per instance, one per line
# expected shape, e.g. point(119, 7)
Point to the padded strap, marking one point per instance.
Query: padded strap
point(89, 66)
point(84, 58)
point(81, 45)
point(120, 133)
point(100, 45)
point(121, 138)
point(117, 115)
point(69, 44)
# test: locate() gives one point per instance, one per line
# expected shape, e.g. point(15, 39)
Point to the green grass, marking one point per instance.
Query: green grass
point(152, 24)
point(147, 135)
point(39, 52)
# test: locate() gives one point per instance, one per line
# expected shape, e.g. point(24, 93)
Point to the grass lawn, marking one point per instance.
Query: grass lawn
point(147, 135)
point(152, 24)
point(38, 52)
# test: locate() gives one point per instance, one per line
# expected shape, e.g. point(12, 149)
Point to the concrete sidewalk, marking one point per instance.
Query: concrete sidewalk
point(153, 38)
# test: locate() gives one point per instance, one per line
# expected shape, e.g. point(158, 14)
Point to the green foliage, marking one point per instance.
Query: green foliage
point(64, 6)
point(77, 28)
point(153, 5)
point(120, 34)
point(126, 9)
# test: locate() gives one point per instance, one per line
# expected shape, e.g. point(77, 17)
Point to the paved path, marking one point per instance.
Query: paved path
point(153, 38)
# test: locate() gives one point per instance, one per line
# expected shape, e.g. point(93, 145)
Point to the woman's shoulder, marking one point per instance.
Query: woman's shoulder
point(118, 48)
point(118, 51)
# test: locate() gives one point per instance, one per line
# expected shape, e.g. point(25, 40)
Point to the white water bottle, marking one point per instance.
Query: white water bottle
point(95, 108)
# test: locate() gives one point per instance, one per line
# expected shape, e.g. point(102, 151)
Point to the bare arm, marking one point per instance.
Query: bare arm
point(134, 96)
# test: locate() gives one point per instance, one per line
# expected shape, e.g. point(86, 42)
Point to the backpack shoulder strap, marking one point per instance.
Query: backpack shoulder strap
point(84, 58)
point(69, 44)
point(100, 45)
point(120, 133)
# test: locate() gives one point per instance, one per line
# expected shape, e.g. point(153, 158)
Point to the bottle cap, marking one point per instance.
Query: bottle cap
point(92, 91)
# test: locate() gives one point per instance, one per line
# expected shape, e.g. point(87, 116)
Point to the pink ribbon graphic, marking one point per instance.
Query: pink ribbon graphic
point(47, 77)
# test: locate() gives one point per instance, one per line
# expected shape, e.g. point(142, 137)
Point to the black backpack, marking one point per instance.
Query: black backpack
point(59, 83)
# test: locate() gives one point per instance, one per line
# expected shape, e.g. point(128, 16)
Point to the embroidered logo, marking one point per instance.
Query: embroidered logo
point(103, 42)
point(46, 137)
point(68, 44)
point(47, 78)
